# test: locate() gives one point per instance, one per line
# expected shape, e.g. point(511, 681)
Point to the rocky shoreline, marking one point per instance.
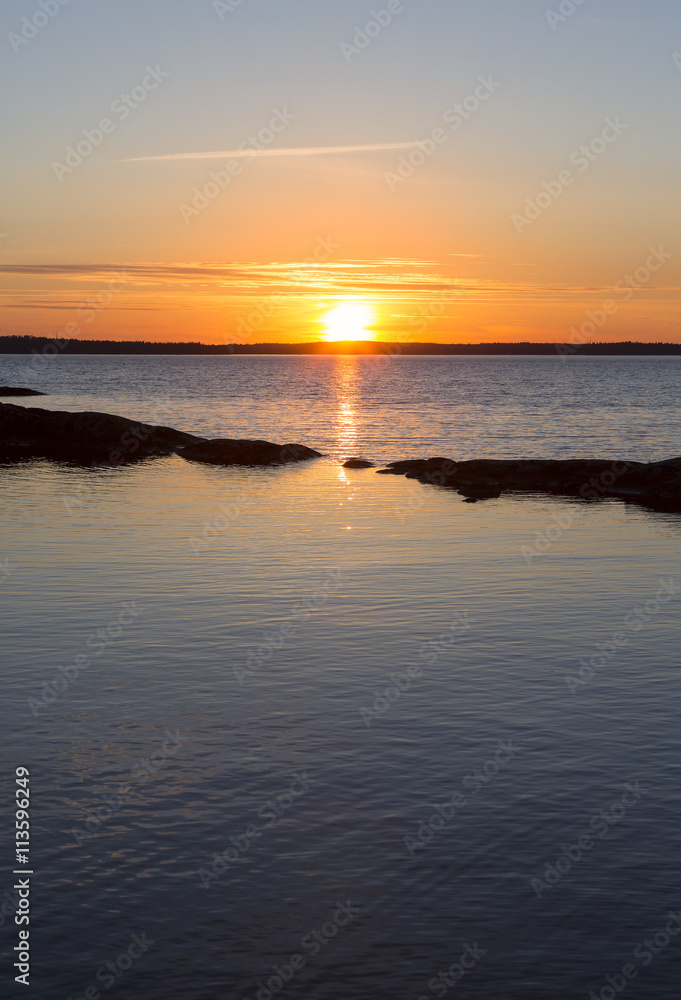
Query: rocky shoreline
point(105, 439)
point(13, 390)
point(655, 484)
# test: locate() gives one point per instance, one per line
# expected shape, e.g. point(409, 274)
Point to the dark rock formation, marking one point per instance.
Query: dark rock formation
point(358, 463)
point(225, 451)
point(655, 484)
point(83, 438)
point(412, 468)
point(102, 438)
point(11, 390)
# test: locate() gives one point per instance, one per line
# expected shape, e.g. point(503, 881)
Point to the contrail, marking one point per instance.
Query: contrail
point(296, 151)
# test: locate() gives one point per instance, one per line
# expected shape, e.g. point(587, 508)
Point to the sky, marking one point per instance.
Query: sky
point(241, 171)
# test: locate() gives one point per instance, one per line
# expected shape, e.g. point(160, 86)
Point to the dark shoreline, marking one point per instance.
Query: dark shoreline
point(45, 346)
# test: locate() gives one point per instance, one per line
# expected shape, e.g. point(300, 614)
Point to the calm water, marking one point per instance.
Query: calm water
point(386, 407)
point(267, 620)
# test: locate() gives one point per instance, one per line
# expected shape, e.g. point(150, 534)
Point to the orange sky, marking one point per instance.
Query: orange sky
point(384, 300)
point(242, 193)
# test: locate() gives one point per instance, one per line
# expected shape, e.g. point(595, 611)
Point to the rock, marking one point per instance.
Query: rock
point(102, 438)
point(358, 463)
point(225, 451)
point(656, 485)
point(419, 466)
point(482, 490)
point(83, 438)
point(10, 390)
point(413, 468)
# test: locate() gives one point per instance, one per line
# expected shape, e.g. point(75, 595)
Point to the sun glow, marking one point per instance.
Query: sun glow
point(349, 321)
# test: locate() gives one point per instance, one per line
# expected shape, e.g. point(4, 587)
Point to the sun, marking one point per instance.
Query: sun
point(349, 321)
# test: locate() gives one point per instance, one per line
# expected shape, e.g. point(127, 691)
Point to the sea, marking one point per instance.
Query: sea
point(321, 734)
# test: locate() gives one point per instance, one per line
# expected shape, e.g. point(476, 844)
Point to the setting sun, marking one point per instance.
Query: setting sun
point(349, 321)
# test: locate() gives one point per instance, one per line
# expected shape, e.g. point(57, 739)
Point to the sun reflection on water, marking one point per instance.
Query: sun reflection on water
point(346, 430)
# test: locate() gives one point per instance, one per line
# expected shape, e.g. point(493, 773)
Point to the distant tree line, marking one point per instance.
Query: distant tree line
point(46, 345)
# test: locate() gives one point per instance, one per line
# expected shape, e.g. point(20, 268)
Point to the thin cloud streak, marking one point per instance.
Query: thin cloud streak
point(293, 151)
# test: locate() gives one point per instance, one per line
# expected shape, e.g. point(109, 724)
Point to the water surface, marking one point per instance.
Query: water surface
point(273, 616)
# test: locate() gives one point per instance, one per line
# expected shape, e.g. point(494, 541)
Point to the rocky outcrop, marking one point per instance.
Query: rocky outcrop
point(12, 390)
point(655, 484)
point(412, 467)
point(228, 451)
point(358, 463)
point(106, 439)
point(102, 438)
point(83, 438)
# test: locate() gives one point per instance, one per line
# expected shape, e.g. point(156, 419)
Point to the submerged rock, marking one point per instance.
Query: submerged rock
point(655, 484)
point(358, 463)
point(83, 438)
point(227, 451)
point(11, 390)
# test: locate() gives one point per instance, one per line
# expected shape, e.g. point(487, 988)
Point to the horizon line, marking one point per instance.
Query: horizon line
point(362, 345)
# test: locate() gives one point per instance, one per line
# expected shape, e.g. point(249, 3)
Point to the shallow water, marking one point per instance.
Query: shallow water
point(355, 578)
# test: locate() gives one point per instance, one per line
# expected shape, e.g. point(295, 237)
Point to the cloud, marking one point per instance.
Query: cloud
point(295, 151)
point(396, 280)
point(72, 305)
